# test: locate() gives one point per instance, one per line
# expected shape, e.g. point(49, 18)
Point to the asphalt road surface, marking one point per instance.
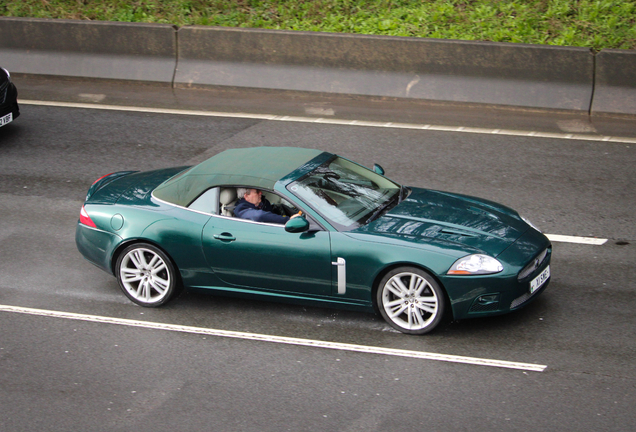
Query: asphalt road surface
point(70, 373)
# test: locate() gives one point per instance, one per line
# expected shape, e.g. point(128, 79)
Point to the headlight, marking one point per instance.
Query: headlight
point(475, 265)
point(530, 223)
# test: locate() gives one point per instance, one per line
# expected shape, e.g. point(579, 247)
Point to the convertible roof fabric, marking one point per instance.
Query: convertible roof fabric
point(258, 167)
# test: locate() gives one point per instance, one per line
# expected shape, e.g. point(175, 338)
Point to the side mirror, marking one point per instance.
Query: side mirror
point(378, 169)
point(297, 225)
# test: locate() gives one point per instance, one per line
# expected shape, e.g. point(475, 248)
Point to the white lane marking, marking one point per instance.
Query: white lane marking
point(463, 129)
point(278, 339)
point(574, 239)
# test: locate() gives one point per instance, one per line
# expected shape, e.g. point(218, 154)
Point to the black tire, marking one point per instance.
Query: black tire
point(146, 275)
point(411, 300)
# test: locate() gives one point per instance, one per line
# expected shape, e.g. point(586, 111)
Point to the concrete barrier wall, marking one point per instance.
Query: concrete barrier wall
point(456, 71)
point(615, 82)
point(143, 52)
point(503, 74)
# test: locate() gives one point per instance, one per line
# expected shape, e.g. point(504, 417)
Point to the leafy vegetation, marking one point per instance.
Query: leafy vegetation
point(595, 24)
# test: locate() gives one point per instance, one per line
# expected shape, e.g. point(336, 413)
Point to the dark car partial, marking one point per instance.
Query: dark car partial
point(9, 109)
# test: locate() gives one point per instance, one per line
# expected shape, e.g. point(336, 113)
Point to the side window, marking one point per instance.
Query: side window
point(281, 205)
point(286, 208)
point(208, 202)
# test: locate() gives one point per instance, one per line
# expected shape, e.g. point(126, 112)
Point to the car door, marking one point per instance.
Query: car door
point(264, 256)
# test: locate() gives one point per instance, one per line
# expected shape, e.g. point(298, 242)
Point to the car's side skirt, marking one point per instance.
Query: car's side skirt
point(292, 298)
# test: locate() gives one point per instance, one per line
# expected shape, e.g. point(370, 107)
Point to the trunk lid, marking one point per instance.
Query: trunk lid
point(128, 186)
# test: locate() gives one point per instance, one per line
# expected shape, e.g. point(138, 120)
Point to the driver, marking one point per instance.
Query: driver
point(254, 207)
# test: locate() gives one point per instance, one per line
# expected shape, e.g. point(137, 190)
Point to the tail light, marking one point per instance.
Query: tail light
point(85, 218)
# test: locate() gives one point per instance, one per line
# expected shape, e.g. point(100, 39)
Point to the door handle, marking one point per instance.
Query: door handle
point(224, 237)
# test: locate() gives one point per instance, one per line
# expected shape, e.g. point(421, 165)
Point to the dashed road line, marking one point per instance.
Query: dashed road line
point(579, 240)
point(332, 121)
point(278, 339)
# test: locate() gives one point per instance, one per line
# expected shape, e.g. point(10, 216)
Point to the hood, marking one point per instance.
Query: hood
point(428, 216)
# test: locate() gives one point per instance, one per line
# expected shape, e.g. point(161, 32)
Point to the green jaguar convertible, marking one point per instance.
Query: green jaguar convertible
point(336, 234)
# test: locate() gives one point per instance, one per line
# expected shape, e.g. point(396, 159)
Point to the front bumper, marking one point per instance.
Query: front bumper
point(9, 101)
point(473, 296)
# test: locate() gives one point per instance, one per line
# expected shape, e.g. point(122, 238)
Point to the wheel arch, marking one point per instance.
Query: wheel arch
point(123, 245)
point(393, 266)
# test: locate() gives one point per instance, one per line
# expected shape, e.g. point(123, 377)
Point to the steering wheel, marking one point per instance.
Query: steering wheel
point(283, 209)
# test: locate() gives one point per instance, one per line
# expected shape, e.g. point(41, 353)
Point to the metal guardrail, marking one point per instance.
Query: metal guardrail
point(499, 74)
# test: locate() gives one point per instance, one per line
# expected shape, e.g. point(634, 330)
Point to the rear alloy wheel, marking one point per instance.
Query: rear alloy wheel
point(410, 300)
point(146, 275)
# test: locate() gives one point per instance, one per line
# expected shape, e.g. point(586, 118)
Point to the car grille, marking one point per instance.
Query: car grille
point(4, 87)
point(522, 299)
point(534, 264)
point(476, 307)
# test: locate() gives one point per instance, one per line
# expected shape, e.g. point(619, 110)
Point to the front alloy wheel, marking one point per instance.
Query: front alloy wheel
point(410, 300)
point(146, 275)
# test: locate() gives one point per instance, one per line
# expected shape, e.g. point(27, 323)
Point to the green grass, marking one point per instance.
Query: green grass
point(594, 24)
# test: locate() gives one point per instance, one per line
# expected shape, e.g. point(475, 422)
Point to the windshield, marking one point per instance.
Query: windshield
point(346, 194)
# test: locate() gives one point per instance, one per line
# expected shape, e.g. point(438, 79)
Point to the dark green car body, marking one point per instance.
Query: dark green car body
point(425, 229)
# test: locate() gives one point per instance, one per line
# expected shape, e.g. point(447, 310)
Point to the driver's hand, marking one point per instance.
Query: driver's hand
point(297, 214)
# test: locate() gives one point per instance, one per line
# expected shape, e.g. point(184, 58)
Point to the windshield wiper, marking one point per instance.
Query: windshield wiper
point(385, 207)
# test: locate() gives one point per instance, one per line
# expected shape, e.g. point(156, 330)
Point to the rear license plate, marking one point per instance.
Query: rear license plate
point(6, 119)
point(538, 282)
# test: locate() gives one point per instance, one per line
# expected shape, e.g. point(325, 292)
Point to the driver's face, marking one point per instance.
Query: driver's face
point(253, 196)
